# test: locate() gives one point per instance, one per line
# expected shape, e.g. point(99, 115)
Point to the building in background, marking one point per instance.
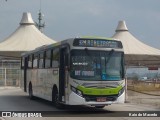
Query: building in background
point(141, 60)
point(25, 38)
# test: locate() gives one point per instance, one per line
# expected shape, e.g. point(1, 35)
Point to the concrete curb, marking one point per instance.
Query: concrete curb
point(8, 87)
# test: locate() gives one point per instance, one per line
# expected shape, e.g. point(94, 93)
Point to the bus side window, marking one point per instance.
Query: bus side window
point(41, 60)
point(55, 58)
point(22, 62)
point(48, 59)
point(30, 61)
point(35, 61)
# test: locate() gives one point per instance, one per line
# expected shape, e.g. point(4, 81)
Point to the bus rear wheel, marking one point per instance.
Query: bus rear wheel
point(31, 92)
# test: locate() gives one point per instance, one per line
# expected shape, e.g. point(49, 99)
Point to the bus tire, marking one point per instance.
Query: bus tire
point(100, 107)
point(55, 100)
point(30, 92)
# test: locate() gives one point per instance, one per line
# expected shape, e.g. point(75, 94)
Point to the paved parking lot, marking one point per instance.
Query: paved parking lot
point(14, 99)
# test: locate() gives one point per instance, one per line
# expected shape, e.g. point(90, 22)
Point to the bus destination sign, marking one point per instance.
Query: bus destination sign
point(97, 43)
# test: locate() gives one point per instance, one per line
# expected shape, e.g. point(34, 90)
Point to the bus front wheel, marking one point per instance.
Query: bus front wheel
point(55, 100)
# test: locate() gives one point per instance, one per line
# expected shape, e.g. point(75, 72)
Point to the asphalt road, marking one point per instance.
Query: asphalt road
point(14, 99)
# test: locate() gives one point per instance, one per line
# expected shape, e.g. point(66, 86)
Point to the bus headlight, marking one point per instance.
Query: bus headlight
point(121, 91)
point(75, 90)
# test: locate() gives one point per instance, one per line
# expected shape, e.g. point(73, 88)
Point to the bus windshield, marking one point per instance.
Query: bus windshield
point(97, 65)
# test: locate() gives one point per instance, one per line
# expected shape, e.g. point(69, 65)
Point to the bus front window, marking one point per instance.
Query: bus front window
point(96, 65)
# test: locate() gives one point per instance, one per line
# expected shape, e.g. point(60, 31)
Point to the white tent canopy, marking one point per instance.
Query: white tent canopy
point(25, 38)
point(136, 52)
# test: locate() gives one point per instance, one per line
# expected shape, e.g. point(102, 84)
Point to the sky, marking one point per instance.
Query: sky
point(74, 18)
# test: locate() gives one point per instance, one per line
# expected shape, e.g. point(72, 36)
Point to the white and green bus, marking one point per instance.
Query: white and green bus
point(77, 71)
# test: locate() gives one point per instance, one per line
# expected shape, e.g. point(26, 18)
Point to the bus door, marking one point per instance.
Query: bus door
point(63, 73)
point(25, 73)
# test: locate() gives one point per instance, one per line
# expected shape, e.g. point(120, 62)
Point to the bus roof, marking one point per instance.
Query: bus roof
point(97, 37)
point(74, 40)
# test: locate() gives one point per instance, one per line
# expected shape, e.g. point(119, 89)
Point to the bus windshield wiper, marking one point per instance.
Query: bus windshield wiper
point(86, 50)
point(109, 56)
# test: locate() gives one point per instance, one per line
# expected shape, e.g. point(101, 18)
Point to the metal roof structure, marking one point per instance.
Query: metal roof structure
point(136, 52)
point(25, 38)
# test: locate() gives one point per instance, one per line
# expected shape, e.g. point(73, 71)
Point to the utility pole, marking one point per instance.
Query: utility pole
point(40, 25)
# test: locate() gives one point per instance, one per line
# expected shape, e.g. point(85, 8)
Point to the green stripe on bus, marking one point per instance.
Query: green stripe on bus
point(99, 91)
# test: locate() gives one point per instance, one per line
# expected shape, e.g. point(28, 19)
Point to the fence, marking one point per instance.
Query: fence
point(10, 76)
point(148, 87)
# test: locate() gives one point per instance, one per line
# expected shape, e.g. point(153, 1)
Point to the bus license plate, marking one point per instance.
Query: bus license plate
point(101, 99)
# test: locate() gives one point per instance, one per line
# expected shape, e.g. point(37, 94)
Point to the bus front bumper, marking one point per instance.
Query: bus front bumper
point(75, 99)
